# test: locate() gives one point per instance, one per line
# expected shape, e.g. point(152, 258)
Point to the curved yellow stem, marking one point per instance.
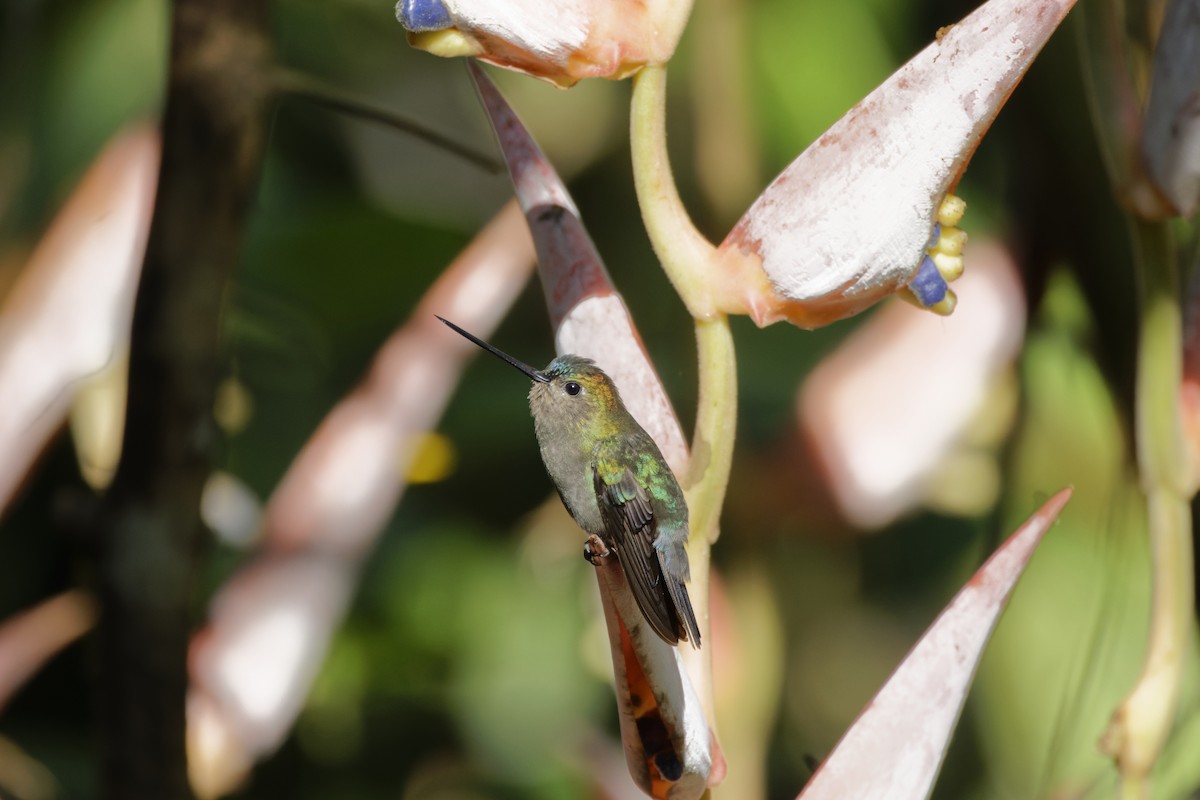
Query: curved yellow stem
point(688, 260)
point(1140, 725)
point(685, 254)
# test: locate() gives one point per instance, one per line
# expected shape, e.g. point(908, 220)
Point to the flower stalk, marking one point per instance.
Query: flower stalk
point(688, 260)
point(1141, 723)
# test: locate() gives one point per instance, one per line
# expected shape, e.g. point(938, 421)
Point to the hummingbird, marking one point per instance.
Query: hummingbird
point(615, 483)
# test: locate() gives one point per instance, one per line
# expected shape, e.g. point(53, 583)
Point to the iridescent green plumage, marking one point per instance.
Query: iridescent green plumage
point(615, 482)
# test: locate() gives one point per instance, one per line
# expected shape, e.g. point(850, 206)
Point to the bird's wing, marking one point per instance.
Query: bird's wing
point(630, 523)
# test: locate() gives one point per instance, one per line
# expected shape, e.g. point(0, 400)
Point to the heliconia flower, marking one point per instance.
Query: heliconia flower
point(855, 217)
point(663, 693)
point(30, 638)
point(64, 327)
point(877, 470)
point(270, 625)
point(1171, 136)
point(896, 746)
point(560, 42)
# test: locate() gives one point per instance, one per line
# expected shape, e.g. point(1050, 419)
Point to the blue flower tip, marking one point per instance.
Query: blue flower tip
point(422, 16)
point(928, 285)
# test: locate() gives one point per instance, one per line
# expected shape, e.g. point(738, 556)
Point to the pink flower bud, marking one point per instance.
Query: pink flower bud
point(560, 42)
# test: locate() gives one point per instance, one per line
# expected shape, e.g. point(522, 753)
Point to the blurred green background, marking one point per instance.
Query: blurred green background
point(473, 663)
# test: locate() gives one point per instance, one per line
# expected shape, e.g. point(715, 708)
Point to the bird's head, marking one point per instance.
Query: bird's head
point(571, 390)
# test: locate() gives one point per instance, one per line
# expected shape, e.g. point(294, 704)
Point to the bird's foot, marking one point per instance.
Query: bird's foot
point(595, 551)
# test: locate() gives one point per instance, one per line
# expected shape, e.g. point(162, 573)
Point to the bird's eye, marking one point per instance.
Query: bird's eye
point(572, 388)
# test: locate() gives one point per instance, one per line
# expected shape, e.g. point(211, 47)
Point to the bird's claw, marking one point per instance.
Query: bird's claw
point(595, 551)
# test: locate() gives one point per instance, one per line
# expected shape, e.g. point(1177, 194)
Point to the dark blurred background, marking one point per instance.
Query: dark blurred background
point(472, 663)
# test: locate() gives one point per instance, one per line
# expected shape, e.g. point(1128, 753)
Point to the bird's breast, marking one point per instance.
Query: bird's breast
point(570, 467)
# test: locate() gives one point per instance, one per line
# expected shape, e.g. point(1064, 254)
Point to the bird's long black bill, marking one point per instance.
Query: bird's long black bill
point(532, 373)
